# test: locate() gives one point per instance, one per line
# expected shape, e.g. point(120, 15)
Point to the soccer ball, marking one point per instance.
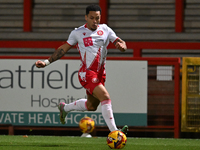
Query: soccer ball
point(86, 125)
point(116, 139)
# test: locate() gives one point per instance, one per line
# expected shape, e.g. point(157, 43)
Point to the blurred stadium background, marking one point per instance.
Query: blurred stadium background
point(162, 32)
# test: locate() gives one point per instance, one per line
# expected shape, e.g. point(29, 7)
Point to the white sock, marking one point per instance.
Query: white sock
point(107, 113)
point(79, 105)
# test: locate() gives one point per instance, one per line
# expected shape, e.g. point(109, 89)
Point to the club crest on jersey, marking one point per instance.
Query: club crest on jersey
point(84, 33)
point(100, 32)
point(95, 80)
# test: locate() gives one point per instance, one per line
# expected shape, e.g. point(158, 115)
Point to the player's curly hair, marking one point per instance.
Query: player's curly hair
point(93, 7)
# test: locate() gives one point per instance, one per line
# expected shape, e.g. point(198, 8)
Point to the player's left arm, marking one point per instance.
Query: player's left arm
point(120, 44)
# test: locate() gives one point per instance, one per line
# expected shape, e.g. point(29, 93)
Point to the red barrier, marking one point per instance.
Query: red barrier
point(27, 16)
point(136, 46)
point(179, 15)
point(104, 10)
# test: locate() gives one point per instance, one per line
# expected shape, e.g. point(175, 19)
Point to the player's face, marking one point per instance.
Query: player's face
point(93, 19)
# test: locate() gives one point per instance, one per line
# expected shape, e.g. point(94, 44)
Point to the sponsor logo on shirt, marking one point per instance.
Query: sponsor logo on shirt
point(99, 40)
point(87, 41)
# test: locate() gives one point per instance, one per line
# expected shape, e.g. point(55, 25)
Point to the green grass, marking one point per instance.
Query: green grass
point(95, 143)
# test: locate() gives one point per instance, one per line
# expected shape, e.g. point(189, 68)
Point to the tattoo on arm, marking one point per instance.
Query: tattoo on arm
point(57, 55)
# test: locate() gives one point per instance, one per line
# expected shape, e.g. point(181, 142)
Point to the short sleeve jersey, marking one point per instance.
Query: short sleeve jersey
point(92, 45)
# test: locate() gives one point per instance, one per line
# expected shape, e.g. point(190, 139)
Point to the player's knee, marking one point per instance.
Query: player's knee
point(92, 108)
point(105, 97)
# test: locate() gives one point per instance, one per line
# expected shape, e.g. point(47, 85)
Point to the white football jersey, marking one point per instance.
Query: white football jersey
point(92, 45)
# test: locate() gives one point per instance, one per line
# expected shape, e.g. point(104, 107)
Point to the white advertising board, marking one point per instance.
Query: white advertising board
point(29, 96)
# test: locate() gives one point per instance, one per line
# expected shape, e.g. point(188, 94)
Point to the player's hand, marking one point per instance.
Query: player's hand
point(40, 64)
point(121, 45)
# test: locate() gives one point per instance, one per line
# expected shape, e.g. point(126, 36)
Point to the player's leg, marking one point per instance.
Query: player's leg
point(79, 105)
point(89, 104)
point(92, 103)
point(103, 96)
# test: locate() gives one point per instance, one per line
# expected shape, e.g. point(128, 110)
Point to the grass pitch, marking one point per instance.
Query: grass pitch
point(95, 143)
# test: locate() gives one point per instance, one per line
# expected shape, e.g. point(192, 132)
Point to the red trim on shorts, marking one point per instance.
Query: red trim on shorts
point(86, 105)
point(107, 101)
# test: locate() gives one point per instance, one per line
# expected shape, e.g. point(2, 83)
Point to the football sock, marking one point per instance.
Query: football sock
point(107, 113)
point(79, 105)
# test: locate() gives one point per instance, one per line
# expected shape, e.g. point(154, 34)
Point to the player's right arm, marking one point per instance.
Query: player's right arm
point(60, 52)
